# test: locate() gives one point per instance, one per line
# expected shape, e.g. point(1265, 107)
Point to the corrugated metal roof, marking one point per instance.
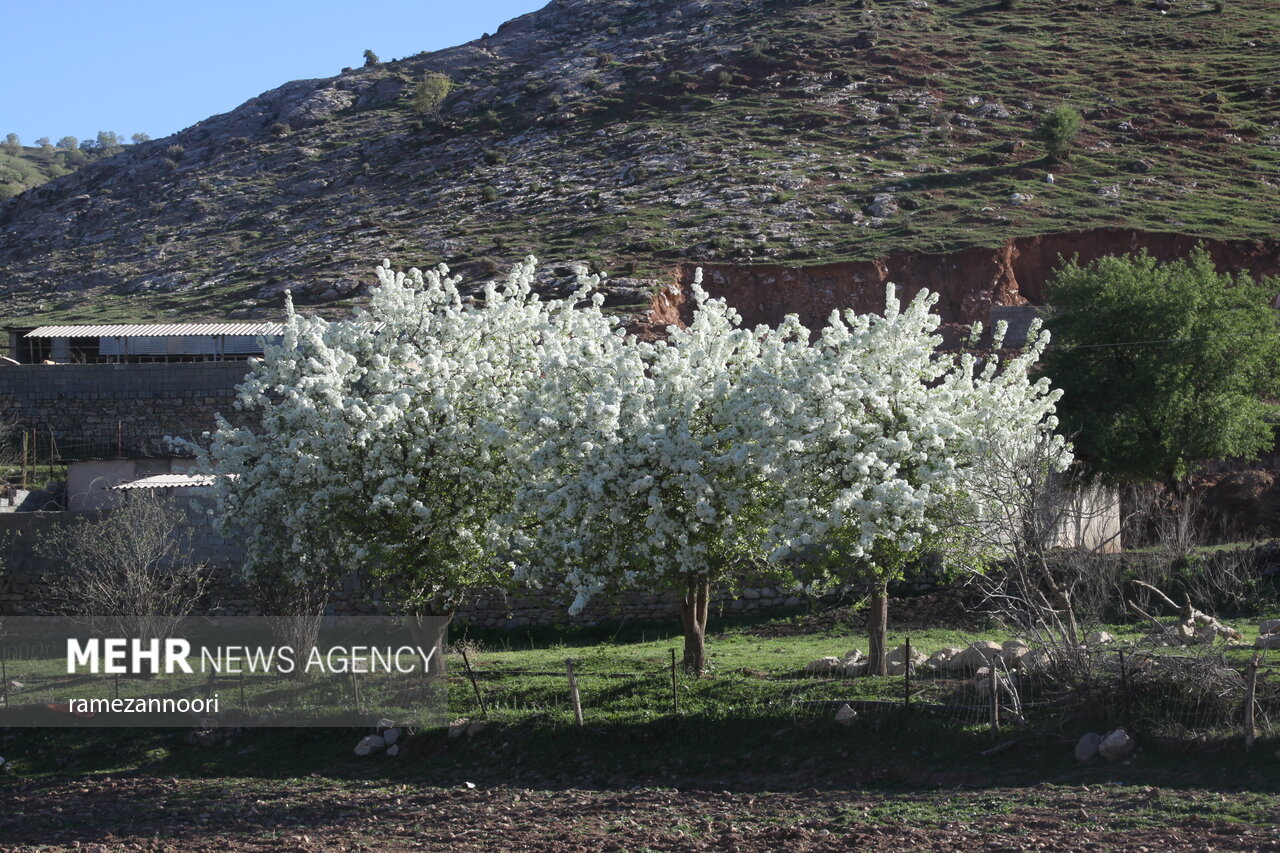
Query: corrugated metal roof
point(167, 481)
point(157, 330)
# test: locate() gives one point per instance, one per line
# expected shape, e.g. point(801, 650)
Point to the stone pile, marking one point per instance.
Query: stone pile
point(386, 740)
point(952, 660)
point(1114, 746)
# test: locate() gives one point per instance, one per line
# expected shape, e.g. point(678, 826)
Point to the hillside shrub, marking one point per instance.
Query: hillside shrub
point(1058, 130)
point(430, 93)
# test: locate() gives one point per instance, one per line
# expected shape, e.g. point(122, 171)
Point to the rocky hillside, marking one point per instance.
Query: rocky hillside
point(637, 135)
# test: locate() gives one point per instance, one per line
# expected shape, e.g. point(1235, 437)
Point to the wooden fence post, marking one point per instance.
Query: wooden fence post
point(993, 683)
point(906, 676)
point(573, 692)
point(484, 709)
point(1250, 699)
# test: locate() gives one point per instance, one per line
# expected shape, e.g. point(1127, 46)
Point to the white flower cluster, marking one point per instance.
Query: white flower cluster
point(439, 440)
point(385, 440)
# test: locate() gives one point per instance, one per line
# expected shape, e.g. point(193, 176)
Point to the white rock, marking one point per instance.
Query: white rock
point(823, 666)
point(1087, 747)
point(15, 685)
point(941, 659)
point(1099, 638)
point(1268, 641)
point(853, 656)
point(1116, 745)
point(855, 669)
point(1013, 652)
point(846, 715)
point(391, 734)
point(899, 657)
point(1048, 178)
point(978, 654)
point(384, 723)
point(370, 744)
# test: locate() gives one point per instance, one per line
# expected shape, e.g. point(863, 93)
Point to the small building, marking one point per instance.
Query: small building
point(132, 344)
point(102, 483)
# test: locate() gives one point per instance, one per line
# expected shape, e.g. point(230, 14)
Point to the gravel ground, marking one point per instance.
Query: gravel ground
point(104, 815)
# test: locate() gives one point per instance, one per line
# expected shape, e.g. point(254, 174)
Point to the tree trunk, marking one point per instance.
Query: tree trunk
point(877, 629)
point(693, 616)
point(429, 631)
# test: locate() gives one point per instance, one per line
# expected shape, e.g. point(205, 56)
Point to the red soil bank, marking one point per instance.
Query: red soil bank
point(968, 282)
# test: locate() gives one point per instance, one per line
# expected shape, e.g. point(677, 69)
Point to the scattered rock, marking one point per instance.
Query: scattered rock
point(1020, 198)
point(476, 728)
point(1048, 178)
point(978, 655)
point(883, 206)
point(846, 715)
point(1140, 166)
point(1267, 641)
point(1269, 626)
point(1116, 745)
point(458, 728)
point(824, 666)
point(391, 735)
point(15, 684)
point(370, 744)
point(940, 660)
point(393, 750)
point(1087, 747)
point(1099, 638)
point(898, 660)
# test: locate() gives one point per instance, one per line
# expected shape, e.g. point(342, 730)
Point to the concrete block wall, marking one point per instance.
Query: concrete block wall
point(110, 405)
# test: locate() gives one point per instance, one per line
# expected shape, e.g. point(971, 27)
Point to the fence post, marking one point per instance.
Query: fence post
point(484, 709)
point(675, 690)
point(573, 692)
point(24, 460)
point(993, 683)
point(1250, 696)
point(4, 677)
point(906, 676)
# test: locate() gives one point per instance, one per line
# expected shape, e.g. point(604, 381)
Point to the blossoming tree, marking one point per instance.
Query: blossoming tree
point(641, 470)
point(878, 439)
point(385, 441)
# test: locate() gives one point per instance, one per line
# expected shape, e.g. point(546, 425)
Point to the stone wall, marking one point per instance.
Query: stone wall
point(117, 409)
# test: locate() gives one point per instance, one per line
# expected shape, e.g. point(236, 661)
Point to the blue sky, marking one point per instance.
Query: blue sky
point(79, 66)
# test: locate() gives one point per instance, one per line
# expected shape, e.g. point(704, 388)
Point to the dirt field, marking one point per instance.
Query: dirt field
point(229, 816)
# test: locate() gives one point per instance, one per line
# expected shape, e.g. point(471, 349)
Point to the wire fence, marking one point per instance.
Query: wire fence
point(1182, 695)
